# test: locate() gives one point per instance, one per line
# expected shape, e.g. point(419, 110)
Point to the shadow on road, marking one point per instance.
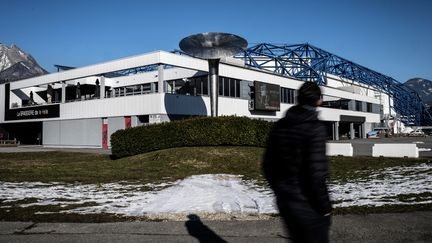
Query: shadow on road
point(197, 229)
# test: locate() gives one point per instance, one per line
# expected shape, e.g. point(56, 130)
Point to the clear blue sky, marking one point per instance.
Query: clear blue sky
point(393, 37)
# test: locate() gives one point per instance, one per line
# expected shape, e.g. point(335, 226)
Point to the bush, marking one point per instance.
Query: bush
point(200, 131)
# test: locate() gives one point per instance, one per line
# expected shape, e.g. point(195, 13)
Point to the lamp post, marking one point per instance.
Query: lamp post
point(213, 46)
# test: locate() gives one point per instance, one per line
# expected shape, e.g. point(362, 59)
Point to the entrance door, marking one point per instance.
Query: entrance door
point(105, 133)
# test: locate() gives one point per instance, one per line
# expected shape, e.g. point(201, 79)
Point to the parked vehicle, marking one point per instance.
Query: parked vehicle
point(378, 132)
point(417, 133)
point(372, 134)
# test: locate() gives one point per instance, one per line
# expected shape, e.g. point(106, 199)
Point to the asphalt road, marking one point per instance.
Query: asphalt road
point(406, 227)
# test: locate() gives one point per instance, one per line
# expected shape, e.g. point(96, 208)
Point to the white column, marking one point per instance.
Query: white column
point(336, 130)
point(161, 79)
point(352, 131)
point(102, 87)
point(63, 92)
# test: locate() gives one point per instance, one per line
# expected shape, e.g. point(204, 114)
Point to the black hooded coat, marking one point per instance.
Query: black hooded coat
point(296, 167)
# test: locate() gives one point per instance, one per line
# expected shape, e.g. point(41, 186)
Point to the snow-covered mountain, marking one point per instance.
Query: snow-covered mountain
point(15, 64)
point(423, 87)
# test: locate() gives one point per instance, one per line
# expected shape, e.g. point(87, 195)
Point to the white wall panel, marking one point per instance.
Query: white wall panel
point(114, 124)
point(51, 133)
point(77, 133)
point(83, 132)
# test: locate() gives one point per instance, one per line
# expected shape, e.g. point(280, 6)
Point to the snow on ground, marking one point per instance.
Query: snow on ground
point(424, 149)
point(384, 186)
point(218, 193)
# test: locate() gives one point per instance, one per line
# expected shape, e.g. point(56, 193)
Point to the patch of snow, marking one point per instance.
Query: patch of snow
point(218, 193)
point(205, 193)
point(418, 142)
point(383, 187)
point(424, 149)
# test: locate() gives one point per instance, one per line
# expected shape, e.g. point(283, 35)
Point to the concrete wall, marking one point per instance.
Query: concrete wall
point(399, 150)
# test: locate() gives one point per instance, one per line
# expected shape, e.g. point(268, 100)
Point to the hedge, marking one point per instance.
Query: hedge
point(199, 131)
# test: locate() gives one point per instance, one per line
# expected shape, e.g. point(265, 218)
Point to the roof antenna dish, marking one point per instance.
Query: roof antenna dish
point(213, 46)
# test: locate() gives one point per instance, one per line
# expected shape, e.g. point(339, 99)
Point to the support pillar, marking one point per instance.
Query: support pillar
point(352, 131)
point(102, 87)
point(161, 88)
point(336, 131)
point(63, 92)
point(213, 78)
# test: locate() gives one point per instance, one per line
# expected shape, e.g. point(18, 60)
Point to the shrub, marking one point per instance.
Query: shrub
point(199, 131)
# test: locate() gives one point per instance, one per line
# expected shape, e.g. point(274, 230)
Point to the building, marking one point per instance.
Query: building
point(82, 107)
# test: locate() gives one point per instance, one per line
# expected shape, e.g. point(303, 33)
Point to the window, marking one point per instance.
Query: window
point(237, 94)
point(229, 87)
point(221, 85)
point(232, 87)
point(287, 95)
point(358, 105)
point(369, 107)
point(226, 87)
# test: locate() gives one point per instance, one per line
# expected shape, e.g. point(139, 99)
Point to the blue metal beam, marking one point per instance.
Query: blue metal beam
point(309, 63)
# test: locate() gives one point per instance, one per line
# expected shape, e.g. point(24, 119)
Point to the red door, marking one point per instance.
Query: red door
point(105, 133)
point(128, 122)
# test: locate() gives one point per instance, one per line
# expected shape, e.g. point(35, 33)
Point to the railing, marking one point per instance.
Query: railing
point(5, 143)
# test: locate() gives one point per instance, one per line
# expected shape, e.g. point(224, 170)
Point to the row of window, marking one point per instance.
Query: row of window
point(229, 87)
point(347, 104)
point(288, 95)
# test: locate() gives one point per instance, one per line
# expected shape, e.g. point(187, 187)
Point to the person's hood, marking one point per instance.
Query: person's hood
point(299, 114)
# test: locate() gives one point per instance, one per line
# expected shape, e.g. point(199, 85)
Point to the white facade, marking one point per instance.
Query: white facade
point(136, 99)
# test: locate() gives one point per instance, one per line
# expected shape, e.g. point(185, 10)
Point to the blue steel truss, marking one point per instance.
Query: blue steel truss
point(309, 63)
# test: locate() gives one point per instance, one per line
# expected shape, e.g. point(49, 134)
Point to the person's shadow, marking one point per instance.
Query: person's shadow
point(197, 229)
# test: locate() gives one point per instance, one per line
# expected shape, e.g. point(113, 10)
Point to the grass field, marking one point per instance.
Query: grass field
point(168, 166)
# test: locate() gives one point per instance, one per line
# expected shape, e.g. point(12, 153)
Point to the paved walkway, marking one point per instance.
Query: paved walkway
point(38, 148)
point(363, 147)
point(407, 227)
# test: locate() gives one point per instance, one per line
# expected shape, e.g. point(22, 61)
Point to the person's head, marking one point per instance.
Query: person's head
point(309, 94)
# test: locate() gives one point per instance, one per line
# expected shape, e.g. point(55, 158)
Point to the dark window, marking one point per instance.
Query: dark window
point(237, 88)
point(344, 104)
point(369, 107)
point(226, 87)
point(287, 95)
point(205, 85)
point(358, 105)
point(232, 87)
point(221, 86)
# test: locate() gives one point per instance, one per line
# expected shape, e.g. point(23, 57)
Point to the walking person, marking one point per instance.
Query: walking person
point(296, 167)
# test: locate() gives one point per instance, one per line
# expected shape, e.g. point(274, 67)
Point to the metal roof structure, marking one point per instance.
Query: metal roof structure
point(309, 63)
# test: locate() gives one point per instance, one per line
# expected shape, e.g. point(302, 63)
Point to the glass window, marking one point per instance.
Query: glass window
point(237, 88)
point(344, 104)
point(287, 95)
point(232, 87)
point(226, 87)
point(369, 107)
point(221, 85)
point(358, 105)
point(205, 85)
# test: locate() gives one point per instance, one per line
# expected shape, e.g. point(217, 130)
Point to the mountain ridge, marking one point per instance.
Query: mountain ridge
point(15, 64)
point(423, 87)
